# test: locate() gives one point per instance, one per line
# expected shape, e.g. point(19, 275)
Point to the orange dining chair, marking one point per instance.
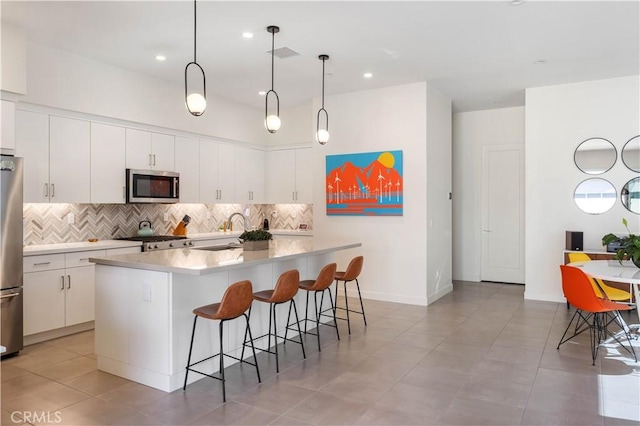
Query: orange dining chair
point(592, 313)
point(599, 287)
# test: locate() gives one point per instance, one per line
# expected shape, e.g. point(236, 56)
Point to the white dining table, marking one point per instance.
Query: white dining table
point(612, 270)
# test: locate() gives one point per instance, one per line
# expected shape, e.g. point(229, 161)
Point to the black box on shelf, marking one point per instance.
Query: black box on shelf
point(574, 241)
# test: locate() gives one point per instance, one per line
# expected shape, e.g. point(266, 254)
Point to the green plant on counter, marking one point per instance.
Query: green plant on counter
point(629, 245)
point(255, 235)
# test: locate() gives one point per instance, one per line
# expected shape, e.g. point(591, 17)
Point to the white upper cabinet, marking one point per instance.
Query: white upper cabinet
point(7, 126)
point(32, 143)
point(249, 175)
point(289, 176)
point(304, 175)
point(162, 152)
point(216, 172)
point(149, 151)
point(187, 157)
point(69, 160)
point(108, 154)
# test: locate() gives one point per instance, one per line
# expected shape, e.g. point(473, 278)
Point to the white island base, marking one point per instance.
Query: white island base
point(144, 317)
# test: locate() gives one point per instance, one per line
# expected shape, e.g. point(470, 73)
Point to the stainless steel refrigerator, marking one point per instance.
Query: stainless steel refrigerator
point(11, 254)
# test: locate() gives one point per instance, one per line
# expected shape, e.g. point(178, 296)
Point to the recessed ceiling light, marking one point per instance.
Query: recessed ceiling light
point(161, 58)
point(367, 75)
point(540, 61)
point(262, 93)
point(247, 34)
point(516, 2)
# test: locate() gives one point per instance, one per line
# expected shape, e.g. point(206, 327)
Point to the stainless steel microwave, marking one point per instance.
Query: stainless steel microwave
point(152, 186)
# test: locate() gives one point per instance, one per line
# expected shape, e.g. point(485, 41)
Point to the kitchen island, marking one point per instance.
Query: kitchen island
point(144, 304)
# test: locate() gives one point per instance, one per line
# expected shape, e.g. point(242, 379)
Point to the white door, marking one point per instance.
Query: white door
point(304, 175)
point(107, 164)
point(503, 214)
point(281, 176)
point(138, 149)
point(209, 192)
point(69, 160)
point(226, 173)
point(162, 152)
point(32, 143)
point(80, 295)
point(187, 159)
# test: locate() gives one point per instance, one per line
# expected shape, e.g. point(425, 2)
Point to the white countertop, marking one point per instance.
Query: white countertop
point(228, 234)
point(35, 250)
point(202, 262)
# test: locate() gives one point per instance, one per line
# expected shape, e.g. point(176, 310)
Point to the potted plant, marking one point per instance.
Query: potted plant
point(257, 239)
point(628, 245)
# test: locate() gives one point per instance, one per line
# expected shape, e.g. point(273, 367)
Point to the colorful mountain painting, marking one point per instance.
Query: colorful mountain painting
point(364, 184)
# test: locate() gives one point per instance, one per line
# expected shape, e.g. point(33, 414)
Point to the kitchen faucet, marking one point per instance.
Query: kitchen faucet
point(246, 225)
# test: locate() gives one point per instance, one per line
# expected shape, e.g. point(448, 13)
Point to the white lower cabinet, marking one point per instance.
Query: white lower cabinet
point(59, 291)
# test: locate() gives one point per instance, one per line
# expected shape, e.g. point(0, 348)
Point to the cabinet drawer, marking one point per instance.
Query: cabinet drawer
point(81, 258)
point(43, 262)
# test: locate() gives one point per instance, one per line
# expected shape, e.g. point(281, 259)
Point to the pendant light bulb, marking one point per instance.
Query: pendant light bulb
point(272, 121)
point(322, 134)
point(196, 103)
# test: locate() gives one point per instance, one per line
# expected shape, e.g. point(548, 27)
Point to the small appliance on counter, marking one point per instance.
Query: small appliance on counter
point(145, 229)
point(181, 229)
point(265, 224)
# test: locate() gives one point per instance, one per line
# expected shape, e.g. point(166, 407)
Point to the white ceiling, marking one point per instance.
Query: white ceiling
point(482, 54)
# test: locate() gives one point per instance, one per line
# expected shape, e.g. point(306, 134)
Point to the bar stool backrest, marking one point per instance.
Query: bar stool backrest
point(286, 286)
point(354, 269)
point(325, 277)
point(235, 301)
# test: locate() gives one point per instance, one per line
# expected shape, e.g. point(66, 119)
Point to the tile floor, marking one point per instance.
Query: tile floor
point(481, 355)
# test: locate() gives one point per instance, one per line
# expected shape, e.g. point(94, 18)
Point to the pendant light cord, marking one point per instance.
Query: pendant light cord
point(195, 29)
point(323, 83)
point(273, 39)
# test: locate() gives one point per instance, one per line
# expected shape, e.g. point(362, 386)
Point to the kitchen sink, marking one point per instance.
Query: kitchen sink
point(220, 247)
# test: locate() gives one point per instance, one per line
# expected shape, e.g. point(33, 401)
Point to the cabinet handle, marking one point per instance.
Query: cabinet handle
point(149, 159)
point(61, 282)
point(293, 195)
point(154, 159)
point(46, 190)
point(6, 296)
point(68, 282)
point(53, 190)
point(41, 263)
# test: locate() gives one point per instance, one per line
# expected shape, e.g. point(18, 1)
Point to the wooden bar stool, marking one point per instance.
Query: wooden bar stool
point(285, 290)
point(351, 274)
point(319, 285)
point(235, 302)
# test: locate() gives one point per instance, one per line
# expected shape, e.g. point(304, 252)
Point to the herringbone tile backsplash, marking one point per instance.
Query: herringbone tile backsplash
point(49, 223)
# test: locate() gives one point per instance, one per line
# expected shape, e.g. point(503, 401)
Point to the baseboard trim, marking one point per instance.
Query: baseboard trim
point(543, 297)
point(59, 332)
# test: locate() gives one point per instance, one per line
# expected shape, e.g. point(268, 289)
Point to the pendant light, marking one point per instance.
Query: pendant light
point(195, 102)
point(272, 122)
point(322, 135)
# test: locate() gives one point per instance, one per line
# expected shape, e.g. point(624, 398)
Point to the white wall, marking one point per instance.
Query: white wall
point(438, 226)
point(395, 248)
point(558, 118)
point(471, 132)
point(298, 127)
point(63, 80)
point(13, 59)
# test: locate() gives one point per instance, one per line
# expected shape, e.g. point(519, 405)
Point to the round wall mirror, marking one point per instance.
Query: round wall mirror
point(595, 195)
point(631, 154)
point(595, 156)
point(630, 195)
